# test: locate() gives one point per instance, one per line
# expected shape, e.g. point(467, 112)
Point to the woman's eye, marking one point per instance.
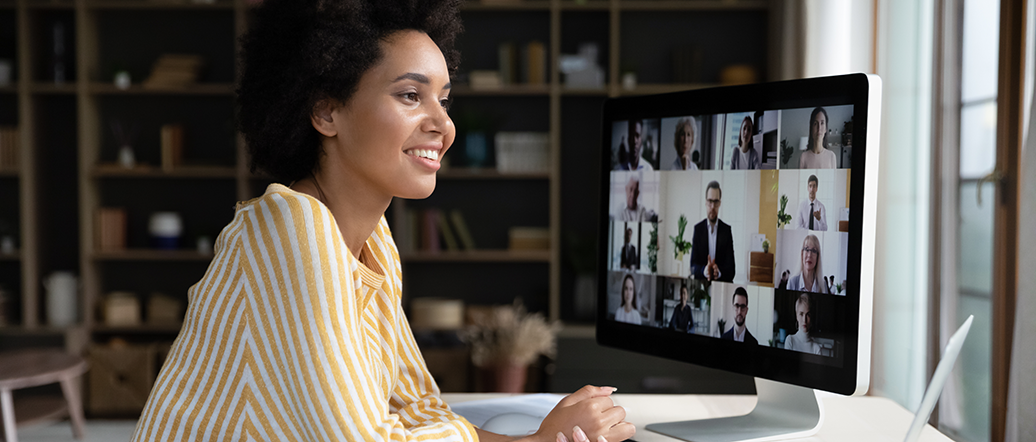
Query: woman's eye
point(412, 96)
point(445, 103)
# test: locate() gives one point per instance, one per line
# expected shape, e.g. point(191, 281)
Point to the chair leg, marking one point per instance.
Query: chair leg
point(7, 404)
point(75, 407)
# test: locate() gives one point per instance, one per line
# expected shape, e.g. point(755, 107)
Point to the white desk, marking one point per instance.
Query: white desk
point(871, 419)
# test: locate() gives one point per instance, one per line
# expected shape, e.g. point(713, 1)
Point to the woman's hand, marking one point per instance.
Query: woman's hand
point(587, 414)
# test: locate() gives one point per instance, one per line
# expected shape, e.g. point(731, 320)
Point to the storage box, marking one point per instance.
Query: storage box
point(529, 238)
point(121, 309)
point(111, 229)
point(120, 378)
point(522, 152)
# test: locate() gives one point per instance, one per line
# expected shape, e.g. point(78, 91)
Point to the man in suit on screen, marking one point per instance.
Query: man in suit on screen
point(712, 247)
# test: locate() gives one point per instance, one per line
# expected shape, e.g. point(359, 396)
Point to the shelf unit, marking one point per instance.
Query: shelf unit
point(67, 168)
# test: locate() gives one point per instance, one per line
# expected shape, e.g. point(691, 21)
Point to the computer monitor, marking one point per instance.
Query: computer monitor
point(737, 232)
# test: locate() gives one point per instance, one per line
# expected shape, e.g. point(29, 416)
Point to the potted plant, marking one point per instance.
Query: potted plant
point(680, 246)
point(700, 297)
point(766, 246)
point(505, 340)
point(783, 218)
point(652, 248)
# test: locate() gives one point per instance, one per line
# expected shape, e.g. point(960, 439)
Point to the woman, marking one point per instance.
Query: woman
point(683, 141)
point(627, 312)
point(801, 340)
point(745, 156)
point(296, 331)
point(810, 277)
point(817, 155)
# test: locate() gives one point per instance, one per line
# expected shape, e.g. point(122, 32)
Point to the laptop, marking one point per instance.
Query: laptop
point(942, 372)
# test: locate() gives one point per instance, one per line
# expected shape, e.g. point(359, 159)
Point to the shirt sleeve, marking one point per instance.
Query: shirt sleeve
point(309, 322)
point(416, 396)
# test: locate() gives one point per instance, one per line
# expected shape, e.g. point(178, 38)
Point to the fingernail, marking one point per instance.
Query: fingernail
point(601, 439)
point(561, 437)
point(613, 389)
point(579, 434)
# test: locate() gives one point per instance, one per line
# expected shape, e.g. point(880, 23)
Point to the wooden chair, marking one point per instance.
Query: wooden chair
point(30, 368)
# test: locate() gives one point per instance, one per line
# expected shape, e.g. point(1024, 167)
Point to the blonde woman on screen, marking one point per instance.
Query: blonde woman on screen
point(801, 340)
point(810, 277)
point(817, 155)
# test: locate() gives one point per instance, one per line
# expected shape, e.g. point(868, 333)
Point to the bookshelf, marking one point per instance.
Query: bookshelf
point(67, 167)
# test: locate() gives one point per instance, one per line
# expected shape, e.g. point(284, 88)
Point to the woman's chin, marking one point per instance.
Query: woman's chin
point(419, 191)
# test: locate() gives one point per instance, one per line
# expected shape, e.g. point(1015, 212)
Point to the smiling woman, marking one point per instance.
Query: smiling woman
point(296, 331)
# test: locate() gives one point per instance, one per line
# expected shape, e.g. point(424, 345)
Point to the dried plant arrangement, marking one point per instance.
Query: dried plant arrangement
point(509, 335)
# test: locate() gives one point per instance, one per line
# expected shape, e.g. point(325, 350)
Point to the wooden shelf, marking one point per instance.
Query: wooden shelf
point(503, 90)
point(663, 88)
point(138, 89)
point(50, 4)
point(152, 255)
point(9, 173)
point(16, 256)
point(479, 256)
point(9, 89)
point(506, 5)
point(601, 91)
point(158, 4)
point(462, 173)
point(54, 89)
point(21, 330)
point(142, 328)
point(591, 5)
point(694, 5)
point(116, 171)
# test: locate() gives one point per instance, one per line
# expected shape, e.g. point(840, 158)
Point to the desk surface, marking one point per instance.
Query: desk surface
point(846, 419)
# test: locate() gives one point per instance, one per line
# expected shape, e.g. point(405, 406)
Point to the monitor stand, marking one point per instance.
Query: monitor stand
point(784, 411)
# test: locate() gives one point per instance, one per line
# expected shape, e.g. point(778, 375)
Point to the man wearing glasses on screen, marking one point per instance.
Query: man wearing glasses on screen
point(739, 332)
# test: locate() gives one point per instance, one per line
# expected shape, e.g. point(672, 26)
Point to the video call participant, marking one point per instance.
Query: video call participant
point(745, 156)
point(635, 148)
point(627, 312)
point(817, 155)
point(712, 250)
point(628, 257)
point(682, 320)
point(633, 211)
point(683, 141)
point(810, 277)
point(739, 332)
point(812, 214)
point(801, 340)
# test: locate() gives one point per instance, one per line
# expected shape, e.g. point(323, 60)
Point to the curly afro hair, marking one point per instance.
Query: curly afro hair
point(299, 52)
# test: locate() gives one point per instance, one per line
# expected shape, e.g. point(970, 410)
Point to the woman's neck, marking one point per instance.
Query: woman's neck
point(628, 308)
point(356, 212)
point(818, 146)
point(807, 279)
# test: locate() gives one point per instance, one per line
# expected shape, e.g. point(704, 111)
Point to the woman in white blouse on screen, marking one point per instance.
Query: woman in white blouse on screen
point(817, 155)
point(627, 312)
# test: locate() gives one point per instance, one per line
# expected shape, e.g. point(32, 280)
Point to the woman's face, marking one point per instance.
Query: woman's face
point(810, 254)
point(746, 134)
point(802, 316)
point(627, 292)
point(391, 135)
point(684, 140)
point(817, 129)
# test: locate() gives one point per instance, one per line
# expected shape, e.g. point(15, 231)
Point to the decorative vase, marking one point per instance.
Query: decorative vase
point(505, 378)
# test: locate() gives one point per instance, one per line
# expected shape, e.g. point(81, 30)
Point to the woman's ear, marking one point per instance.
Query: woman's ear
point(322, 118)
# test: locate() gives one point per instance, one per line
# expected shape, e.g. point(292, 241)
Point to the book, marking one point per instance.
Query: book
point(172, 146)
point(462, 230)
point(536, 63)
point(447, 232)
point(111, 229)
point(508, 60)
point(430, 230)
point(9, 147)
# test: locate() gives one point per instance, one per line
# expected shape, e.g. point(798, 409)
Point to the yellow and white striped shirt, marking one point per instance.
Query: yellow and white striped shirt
point(289, 337)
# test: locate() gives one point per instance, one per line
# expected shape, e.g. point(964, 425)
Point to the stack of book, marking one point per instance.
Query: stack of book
point(433, 230)
point(174, 70)
point(9, 147)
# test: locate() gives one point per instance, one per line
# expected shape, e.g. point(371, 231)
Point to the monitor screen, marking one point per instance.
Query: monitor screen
point(736, 228)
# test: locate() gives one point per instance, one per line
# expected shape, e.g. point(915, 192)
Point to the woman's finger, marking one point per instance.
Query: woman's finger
point(622, 431)
point(614, 415)
point(561, 437)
